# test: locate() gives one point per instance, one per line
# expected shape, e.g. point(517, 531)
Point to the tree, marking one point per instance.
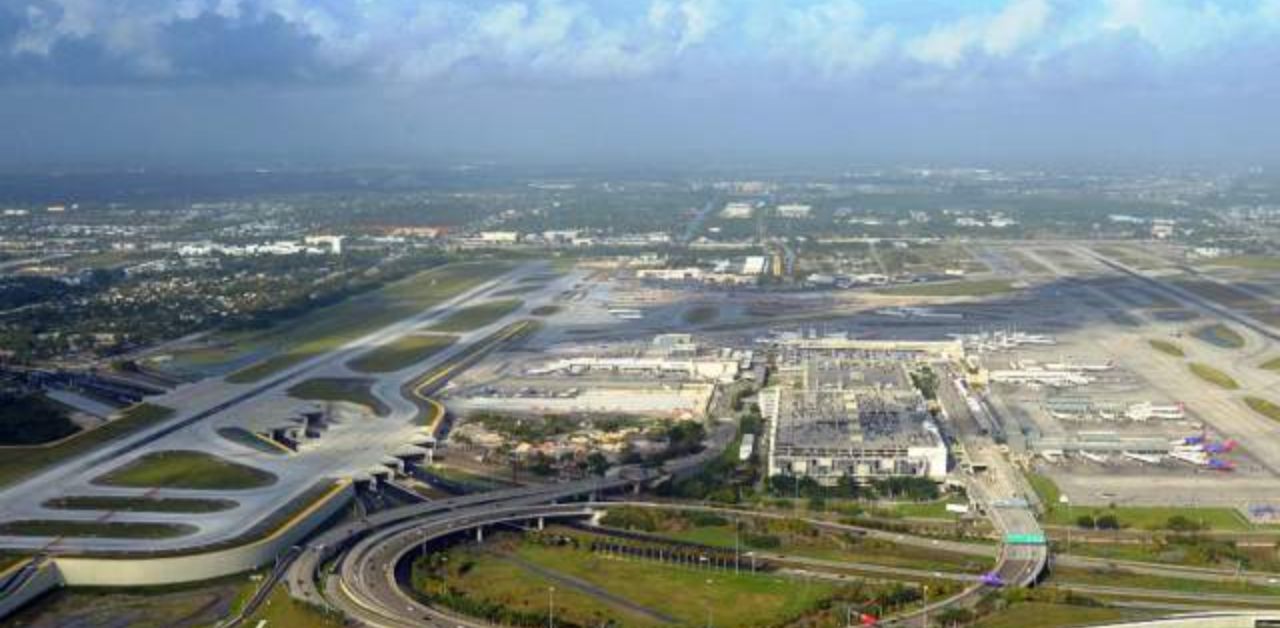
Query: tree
point(597, 463)
point(541, 464)
point(954, 616)
point(31, 420)
point(1107, 522)
point(817, 503)
point(1086, 521)
point(684, 438)
point(927, 382)
point(1180, 523)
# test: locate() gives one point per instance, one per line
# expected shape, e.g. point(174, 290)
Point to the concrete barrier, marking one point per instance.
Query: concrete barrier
point(45, 578)
point(1224, 619)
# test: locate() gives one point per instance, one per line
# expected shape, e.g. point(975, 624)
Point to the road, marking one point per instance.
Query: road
point(367, 551)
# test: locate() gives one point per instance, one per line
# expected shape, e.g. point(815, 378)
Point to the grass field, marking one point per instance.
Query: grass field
point(465, 478)
point(140, 504)
point(1045, 488)
point(352, 390)
point(102, 529)
point(280, 610)
point(873, 552)
point(328, 328)
point(686, 595)
point(1220, 335)
point(1167, 348)
point(1251, 262)
point(982, 288)
point(1213, 376)
point(1113, 578)
point(1185, 552)
point(1048, 615)
point(476, 316)
point(492, 579)
point(1154, 517)
point(1141, 517)
point(19, 462)
point(801, 539)
point(192, 605)
point(401, 353)
point(185, 469)
point(1265, 407)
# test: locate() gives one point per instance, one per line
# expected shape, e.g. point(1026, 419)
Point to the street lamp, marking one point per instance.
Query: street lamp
point(926, 606)
point(551, 607)
point(709, 603)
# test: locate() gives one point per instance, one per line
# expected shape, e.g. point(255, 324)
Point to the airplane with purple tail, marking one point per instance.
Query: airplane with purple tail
point(1221, 448)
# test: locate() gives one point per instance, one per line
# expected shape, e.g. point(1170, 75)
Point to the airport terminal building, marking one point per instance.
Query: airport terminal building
point(858, 422)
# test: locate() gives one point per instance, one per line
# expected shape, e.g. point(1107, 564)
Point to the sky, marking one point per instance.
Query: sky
point(133, 83)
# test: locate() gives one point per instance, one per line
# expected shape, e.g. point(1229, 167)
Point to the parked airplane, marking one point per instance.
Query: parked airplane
point(1196, 439)
point(1226, 446)
point(1098, 458)
point(1192, 456)
point(1147, 458)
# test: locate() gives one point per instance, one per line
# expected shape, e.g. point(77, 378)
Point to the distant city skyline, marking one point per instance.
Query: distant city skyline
point(1105, 82)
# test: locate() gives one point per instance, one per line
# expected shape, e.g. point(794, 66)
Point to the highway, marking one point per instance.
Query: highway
point(376, 600)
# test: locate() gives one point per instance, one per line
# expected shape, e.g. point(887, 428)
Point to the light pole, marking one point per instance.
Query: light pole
point(551, 607)
point(1070, 521)
point(737, 556)
point(926, 606)
point(709, 603)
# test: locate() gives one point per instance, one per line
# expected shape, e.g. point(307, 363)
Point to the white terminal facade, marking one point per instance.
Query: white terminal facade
point(847, 408)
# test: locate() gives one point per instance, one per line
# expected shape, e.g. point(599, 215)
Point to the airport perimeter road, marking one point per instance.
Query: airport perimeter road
point(212, 403)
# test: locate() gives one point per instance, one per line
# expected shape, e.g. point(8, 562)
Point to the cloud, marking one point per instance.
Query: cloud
point(1001, 34)
point(833, 38)
point(561, 42)
point(1178, 28)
